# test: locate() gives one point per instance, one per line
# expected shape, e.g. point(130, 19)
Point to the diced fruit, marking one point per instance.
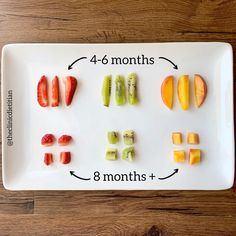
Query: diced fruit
point(42, 91)
point(183, 91)
point(200, 90)
point(64, 140)
point(128, 136)
point(111, 154)
point(179, 155)
point(47, 140)
point(128, 154)
point(194, 156)
point(132, 89)
point(120, 90)
point(193, 138)
point(65, 157)
point(55, 92)
point(70, 87)
point(177, 138)
point(112, 137)
point(48, 158)
point(106, 90)
point(167, 91)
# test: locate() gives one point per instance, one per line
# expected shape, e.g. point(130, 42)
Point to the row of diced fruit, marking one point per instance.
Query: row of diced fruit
point(167, 91)
point(65, 158)
point(128, 136)
point(42, 91)
point(194, 156)
point(127, 154)
point(192, 138)
point(120, 90)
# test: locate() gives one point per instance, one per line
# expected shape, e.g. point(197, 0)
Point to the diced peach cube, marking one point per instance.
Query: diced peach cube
point(193, 138)
point(194, 156)
point(179, 155)
point(177, 138)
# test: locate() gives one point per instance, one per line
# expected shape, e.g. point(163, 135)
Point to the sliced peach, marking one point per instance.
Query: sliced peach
point(167, 92)
point(179, 155)
point(194, 156)
point(200, 90)
point(183, 91)
point(177, 138)
point(193, 138)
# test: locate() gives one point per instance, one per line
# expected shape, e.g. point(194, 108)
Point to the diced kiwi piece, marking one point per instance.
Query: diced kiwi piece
point(112, 137)
point(111, 154)
point(120, 90)
point(132, 89)
point(106, 90)
point(128, 154)
point(128, 137)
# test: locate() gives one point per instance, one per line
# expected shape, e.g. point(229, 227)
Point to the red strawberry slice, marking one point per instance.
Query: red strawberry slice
point(70, 87)
point(64, 140)
point(42, 91)
point(55, 92)
point(48, 158)
point(47, 140)
point(65, 157)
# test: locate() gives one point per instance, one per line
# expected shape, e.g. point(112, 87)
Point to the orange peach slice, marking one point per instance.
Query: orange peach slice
point(177, 138)
point(194, 156)
point(193, 138)
point(179, 155)
point(183, 91)
point(200, 90)
point(167, 91)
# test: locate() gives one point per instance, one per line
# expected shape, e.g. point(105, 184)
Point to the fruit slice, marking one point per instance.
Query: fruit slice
point(132, 89)
point(179, 155)
point(177, 138)
point(128, 154)
point(106, 90)
point(183, 91)
point(70, 87)
point(48, 158)
point(64, 140)
point(42, 91)
point(194, 156)
point(112, 137)
point(111, 154)
point(193, 138)
point(200, 90)
point(128, 136)
point(120, 90)
point(65, 157)
point(55, 92)
point(167, 91)
point(47, 140)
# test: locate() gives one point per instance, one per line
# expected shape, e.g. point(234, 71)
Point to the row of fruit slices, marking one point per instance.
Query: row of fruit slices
point(42, 91)
point(194, 156)
point(49, 139)
point(167, 91)
point(65, 158)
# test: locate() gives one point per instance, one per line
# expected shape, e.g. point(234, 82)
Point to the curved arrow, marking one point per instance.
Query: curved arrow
point(175, 66)
point(70, 66)
point(175, 171)
point(72, 173)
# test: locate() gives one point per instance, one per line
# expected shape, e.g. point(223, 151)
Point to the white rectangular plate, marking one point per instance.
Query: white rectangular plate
point(24, 122)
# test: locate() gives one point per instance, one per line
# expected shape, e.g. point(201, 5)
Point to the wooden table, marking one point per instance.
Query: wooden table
point(117, 212)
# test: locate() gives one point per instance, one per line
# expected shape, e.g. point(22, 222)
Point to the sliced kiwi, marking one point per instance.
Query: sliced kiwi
point(128, 137)
point(106, 90)
point(128, 154)
point(111, 154)
point(120, 90)
point(132, 89)
point(112, 137)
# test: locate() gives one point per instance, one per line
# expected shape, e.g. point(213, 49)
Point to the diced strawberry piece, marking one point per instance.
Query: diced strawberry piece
point(70, 87)
point(42, 91)
point(65, 157)
point(55, 92)
point(64, 140)
point(48, 158)
point(47, 140)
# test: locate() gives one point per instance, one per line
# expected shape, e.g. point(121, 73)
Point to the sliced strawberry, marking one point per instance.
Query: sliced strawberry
point(64, 140)
point(70, 87)
point(47, 140)
point(55, 92)
point(65, 157)
point(42, 91)
point(48, 158)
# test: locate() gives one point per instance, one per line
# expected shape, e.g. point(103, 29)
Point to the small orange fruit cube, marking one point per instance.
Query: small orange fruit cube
point(179, 155)
point(194, 156)
point(176, 138)
point(193, 138)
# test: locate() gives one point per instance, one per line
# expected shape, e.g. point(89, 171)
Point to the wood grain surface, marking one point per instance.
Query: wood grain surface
point(117, 212)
